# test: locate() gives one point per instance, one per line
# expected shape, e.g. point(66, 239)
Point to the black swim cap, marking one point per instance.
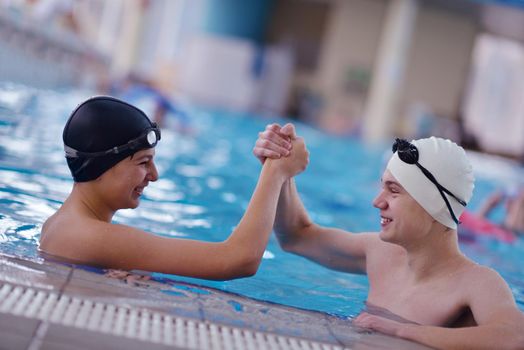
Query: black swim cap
point(101, 132)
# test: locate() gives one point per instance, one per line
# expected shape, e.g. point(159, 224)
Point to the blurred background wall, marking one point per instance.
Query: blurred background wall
point(370, 68)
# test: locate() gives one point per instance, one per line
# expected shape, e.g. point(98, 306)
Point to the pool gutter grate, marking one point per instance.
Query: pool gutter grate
point(142, 324)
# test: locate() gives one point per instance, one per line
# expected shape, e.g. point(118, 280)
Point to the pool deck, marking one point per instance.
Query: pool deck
point(49, 305)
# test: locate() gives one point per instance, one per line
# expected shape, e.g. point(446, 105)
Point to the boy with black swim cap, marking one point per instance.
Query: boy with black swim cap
point(109, 147)
point(421, 287)
point(101, 132)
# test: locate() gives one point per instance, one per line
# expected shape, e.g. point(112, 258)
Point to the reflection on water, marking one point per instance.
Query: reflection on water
point(205, 183)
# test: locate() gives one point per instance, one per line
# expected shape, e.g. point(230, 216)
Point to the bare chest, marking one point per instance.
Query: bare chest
point(437, 303)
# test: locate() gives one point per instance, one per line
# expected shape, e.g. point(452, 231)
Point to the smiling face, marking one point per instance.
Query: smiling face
point(123, 184)
point(403, 221)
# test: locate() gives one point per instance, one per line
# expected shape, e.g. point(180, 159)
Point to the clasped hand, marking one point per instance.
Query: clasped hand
point(282, 144)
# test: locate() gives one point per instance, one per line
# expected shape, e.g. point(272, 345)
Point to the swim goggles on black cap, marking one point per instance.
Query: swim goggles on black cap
point(148, 139)
point(408, 153)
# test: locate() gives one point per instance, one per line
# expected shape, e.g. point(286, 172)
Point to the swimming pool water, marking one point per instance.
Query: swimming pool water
point(206, 179)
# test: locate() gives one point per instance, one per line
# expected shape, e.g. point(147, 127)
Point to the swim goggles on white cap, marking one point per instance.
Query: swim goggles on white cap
point(408, 153)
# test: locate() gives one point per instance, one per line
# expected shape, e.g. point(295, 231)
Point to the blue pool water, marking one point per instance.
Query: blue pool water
point(207, 178)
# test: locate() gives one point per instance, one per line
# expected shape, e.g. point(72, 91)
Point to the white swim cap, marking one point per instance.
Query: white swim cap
point(448, 163)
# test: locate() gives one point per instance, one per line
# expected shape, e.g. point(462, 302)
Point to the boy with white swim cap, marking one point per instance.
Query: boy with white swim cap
point(436, 174)
point(444, 199)
point(414, 265)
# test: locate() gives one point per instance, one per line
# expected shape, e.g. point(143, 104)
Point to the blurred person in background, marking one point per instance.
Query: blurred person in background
point(149, 95)
point(483, 223)
point(514, 209)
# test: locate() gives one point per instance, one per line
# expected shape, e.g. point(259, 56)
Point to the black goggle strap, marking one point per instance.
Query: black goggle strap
point(73, 153)
point(442, 190)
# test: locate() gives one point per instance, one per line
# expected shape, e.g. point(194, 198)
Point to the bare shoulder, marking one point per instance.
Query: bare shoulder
point(487, 295)
point(339, 240)
point(371, 239)
point(60, 231)
point(380, 255)
point(478, 275)
point(476, 280)
point(373, 245)
point(58, 227)
point(383, 250)
point(73, 236)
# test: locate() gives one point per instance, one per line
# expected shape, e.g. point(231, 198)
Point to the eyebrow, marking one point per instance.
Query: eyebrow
point(144, 157)
point(391, 183)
